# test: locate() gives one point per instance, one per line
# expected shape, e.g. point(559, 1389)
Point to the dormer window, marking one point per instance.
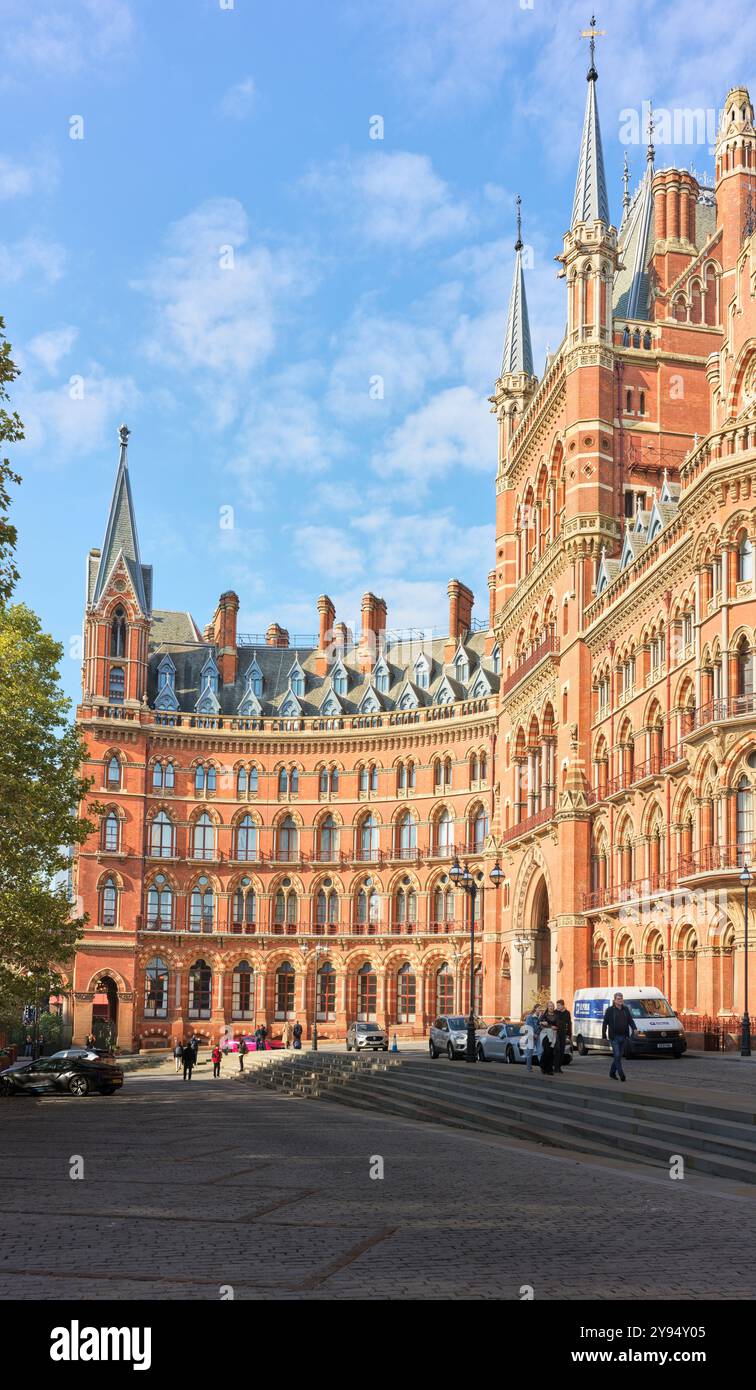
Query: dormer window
point(422, 672)
point(462, 667)
point(297, 680)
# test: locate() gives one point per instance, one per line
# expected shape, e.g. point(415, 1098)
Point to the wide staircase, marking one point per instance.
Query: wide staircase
point(591, 1115)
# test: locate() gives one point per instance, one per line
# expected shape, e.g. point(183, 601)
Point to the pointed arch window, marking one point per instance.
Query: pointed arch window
point(204, 838)
point(407, 836)
point(445, 989)
point(367, 994)
point(242, 782)
point(326, 992)
point(443, 904)
point(160, 904)
point(368, 838)
point(201, 907)
point(111, 832)
point(368, 906)
point(745, 668)
point(288, 840)
point(286, 911)
point(445, 835)
point(406, 994)
point(479, 830)
point(283, 782)
point(245, 905)
point(285, 977)
point(109, 903)
point(327, 839)
point(406, 906)
point(327, 908)
point(116, 685)
point(200, 990)
point(161, 836)
point(243, 991)
point(744, 820)
point(246, 839)
point(118, 633)
point(156, 988)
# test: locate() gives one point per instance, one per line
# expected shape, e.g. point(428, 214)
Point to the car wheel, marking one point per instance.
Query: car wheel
point(481, 1053)
point(510, 1054)
point(581, 1047)
point(79, 1086)
point(432, 1050)
point(677, 1053)
point(6, 1087)
point(349, 1047)
point(566, 1059)
point(450, 1052)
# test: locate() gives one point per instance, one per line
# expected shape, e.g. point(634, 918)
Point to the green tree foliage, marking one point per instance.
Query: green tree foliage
point(41, 788)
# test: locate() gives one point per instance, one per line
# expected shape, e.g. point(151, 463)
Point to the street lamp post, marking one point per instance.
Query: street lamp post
point(464, 879)
point(746, 879)
point(521, 945)
point(316, 949)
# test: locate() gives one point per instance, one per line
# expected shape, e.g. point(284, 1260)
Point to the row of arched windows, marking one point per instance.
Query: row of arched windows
point(247, 778)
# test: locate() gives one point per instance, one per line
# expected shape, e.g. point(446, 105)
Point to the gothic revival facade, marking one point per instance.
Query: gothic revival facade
point(281, 816)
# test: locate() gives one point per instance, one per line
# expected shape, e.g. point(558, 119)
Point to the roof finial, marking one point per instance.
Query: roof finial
point(650, 152)
point(626, 182)
point(518, 205)
point(592, 33)
point(123, 434)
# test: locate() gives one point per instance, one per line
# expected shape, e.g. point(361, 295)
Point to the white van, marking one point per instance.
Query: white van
point(658, 1027)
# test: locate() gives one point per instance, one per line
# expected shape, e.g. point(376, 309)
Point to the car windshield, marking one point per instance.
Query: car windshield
point(650, 1008)
point(457, 1022)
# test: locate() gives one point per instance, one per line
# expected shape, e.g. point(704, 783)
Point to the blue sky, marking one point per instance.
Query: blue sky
point(226, 260)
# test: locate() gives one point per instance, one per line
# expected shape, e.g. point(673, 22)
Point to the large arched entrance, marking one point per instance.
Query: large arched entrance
point(105, 1012)
point(542, 938)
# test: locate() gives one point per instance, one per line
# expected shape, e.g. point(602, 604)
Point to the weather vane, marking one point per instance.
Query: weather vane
point(650, 151)
point(593, 33)
point(518, 205)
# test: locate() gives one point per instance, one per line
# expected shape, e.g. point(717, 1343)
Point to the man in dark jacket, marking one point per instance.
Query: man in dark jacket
point(563, 1025)
point(617, 1026)
point(187, 1057)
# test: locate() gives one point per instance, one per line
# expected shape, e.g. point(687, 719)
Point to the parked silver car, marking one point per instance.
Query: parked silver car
point(448, 1033)
point(502, 1042)
point(362, 1035)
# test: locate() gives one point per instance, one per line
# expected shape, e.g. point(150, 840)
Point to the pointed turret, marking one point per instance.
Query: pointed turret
point(121, 539)
point(518, 352)
point(590, 203)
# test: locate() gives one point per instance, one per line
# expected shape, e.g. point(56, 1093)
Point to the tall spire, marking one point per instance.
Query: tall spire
point(591, 202)
point(121, 539)
point(625, 187)
point(518, 353)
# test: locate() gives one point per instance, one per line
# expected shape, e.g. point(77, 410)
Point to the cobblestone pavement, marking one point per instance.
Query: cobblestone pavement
point(190, 1187)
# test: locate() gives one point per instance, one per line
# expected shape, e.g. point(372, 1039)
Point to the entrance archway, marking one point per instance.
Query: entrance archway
point(105, 1012)
point(542, 938)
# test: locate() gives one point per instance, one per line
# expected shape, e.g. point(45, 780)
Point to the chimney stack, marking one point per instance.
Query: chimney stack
point(224, 636)
point(276, 636)
point(461, 600)
point(372, 637)
point(342, 637)
point(327, 617)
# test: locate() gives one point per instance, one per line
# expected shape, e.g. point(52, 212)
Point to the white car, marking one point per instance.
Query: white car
point(503, 1042)
point(448, 1033)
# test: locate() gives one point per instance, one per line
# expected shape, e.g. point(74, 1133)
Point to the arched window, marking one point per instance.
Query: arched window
point(201, 907)
point(327, 907)
point(283, 782)
point(204, 778)
point(294, 781)
point(443, 903)
point(111, 827)
point(287, 840)
point(118, 633)
point(161, 836)
point(445, 835)
point(327, 840)
point(745, 668)
point(406, 994)
point(116, 685)
point(326, 992)
point(401, 777)
point(156, 988)
point(200, 990)
point(109, 903)
point(368, 838)
point(243, 991)
point(745, 560)
point(744, 821)
point(114, 771)
point(334, 780)
point(479, 830)
point(405, 906)
point(204, 838)
point(445, 989)
point(285, 990)
point(286, 908)
point(157, 776)
point(160, 904)
point(368, 906)
point(374, 779)
point(406, 836)
point(324, 781)
point(367, 994)
point(254, 781)
point(245, 905)
point(246, 839)
point(242, 782)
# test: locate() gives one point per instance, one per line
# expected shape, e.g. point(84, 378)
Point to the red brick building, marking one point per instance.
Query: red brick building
point(282, 814)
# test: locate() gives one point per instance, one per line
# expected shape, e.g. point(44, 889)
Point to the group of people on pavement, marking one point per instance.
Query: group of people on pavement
point(185, 1055)
point(546, 1031)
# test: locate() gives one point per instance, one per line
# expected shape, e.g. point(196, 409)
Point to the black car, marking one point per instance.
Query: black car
point(72, 1074)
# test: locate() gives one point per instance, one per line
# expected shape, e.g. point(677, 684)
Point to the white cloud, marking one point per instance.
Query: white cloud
point(64, 426)
point(238, 102)
point(48, 348)
point(391, 199)
point(32, 255)
point(284, 435)
point(219, 300)
point(328, 549)
point(20, 178)
point(405, 355)
point(63, 37)
point(454, 429)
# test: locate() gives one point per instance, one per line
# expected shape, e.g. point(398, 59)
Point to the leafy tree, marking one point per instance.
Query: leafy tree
point(41, 789)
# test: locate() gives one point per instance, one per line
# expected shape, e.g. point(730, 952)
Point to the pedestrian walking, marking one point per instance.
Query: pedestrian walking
point(297, 1034)
point(187, 1056)
point(178, 1053)
point(563, 1023)
point(195, 1047)
point(529, 1036)
point(29, 1046)
point(617, 1026)
point(287, 1033)
point(243, 1050)
point(216, 1054)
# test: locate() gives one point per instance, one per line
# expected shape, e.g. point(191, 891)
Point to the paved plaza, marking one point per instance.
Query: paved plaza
point(190, 1188)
